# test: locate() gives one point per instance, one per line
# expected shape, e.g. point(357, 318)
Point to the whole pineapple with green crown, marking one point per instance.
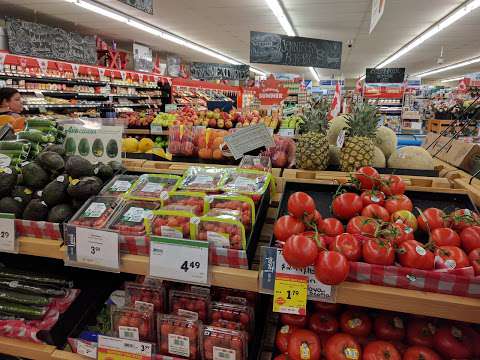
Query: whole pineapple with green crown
point(312, 144)
point(358, 147)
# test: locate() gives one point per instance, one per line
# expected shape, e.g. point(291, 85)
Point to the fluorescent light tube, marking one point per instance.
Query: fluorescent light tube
point(315, 74)
point(452, 79)
point(449, 67)
point(281, 16)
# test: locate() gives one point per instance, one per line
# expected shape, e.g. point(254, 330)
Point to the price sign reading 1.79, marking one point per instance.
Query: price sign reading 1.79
point(7, 233)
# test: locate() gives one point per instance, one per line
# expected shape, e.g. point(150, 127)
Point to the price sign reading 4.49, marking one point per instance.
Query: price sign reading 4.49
point(290, 294)
point(8, 242)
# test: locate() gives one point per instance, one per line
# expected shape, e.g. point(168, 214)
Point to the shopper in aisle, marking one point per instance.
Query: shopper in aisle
point(10, 108)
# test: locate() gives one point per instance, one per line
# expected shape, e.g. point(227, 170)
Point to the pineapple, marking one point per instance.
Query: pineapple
point(358, 148)
point(312, 145)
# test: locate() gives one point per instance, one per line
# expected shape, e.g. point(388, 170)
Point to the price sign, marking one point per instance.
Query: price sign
point(93, 248)
point(110, 348)
point(290, 294)
point(341, 139)
point(87, 350)
point(178, 259)
point(8, 242)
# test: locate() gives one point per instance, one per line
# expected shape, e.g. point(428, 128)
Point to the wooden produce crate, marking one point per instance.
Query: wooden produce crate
point(437, 126)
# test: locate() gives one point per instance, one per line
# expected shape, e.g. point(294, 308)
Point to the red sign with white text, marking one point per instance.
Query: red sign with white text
point(271, 92)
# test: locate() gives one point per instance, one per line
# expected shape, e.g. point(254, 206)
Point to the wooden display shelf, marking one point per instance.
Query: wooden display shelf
point(26, 349)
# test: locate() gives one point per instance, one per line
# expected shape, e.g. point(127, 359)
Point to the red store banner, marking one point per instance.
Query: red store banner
point(271, 91)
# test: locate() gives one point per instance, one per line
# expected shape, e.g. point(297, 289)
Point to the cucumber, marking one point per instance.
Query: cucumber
point(33, 135)
point(15, 274)
point(43, 129)
point(29, 288)
point(40, 123)
point(15, 145)
point(19, 310)
point(26, 299)
point(13, 153)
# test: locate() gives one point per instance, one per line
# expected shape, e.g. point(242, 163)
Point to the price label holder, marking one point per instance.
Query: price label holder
point(179, 259)
point(286, 132)
point(8, 241)
point(290, 294)
point(273, 264)
point(110, 348)
point(88, 350)
point(248, 139)
point(92, 249)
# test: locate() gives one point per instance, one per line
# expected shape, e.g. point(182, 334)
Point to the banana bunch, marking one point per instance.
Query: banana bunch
point(291, 122)
point(164, 119)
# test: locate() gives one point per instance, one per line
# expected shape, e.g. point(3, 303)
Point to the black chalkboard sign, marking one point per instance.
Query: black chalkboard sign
point(143, 5)
point(385, 75)
point(27, 38)
point(268, 48)
point(209, 71)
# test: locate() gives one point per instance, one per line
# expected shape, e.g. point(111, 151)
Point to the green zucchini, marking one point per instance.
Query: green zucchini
point(15, 145)
point(33, 135)
point(29, 288)
point(26, 299)
point(15, 274)
point(13, 153)
point(40, 123)
point(23, 311)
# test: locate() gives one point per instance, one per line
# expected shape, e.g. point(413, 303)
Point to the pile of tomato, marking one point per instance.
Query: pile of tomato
point(376, 223)
point(354, 333)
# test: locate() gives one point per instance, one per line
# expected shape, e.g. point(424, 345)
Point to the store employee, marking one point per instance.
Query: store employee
point(10, 108)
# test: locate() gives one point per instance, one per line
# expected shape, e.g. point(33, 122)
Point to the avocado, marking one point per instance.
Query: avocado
point(97, 148)
point(36, 210)
point(51, 160)
point(84, 147)
point(58, 148)
point(112, 148)
point(22, 193)
point(8, 179)
point(11, 206)
point(103, 171)
point(77, 166)
point(34, 176)
point(56, 191)
point(60, 213)
point(84, 187)
point(77, 203)
point(70, 146)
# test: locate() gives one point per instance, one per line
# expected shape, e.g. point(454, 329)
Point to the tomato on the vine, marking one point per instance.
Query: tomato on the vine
point(420, 332)
point(367, 177)
point(463, 218)
point(474, 257)
point(356, 323)
point(380, 350)
point(445, 236)
point(300, 204)
point(282, 337)
point(323, 324)
point(405, 217)
point(397, 233)
point(314, 219)
point(392, 185)
point(378, 252)
point(372, 197)
point(299, 321)
point(420, 353)
point(389, 327)
point(326, 307)
point(347, 205)
point(348, 245)
point(412, 254)
point(331, 227)
point(453, 256)
point(430, 219)
point(377, 212)
point(304, 345)
point(342, 347)
point(470, 238)
point(362, 225)
point(331, 267)
point(398, 202)
point(287, 226)
point(450, 341)
point(300, 251)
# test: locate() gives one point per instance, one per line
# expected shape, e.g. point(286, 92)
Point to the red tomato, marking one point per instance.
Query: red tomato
point(389, 327)
point(348, 245)
point(420, 353)
point(367, 177)
point(331, 267)
point(280, 357)
point(324, 324)
point(356, 323)
point(450, 341)
point(342, 347)
point(398, 202)
point(320, 239)
point(300, 251)
point(331, 227)
point(362, 225)
point(444, 236)
point(283, 335)
point(287, 226)
point(377, 212)
point(420, 332)
point(304, 345)
point(392, 185)
point(314, 219)
point(372, 197)
point(412, 254)
point(453, 256)
point(430, 219)
point(326, 307)
point(462, 218)
point(379, 252)
point(397, 233)
point(380, 350)
point(405, 217)
point(300, 204)
point(293, 320)
point(347, 205)
point(474, 258)
point(470, 237)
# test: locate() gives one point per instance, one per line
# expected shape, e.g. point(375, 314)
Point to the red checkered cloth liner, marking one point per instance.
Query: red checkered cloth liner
point(38, 229)
point(438, 281)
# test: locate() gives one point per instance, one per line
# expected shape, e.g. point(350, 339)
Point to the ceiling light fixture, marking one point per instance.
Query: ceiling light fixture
point(153, 30)
point(449, 67)
point(314, 73)
point(448, 20)
point(452, 79)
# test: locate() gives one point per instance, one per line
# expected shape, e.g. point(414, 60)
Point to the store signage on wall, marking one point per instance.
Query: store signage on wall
point(377, 11)
point(286, 76)
point(211, 71)
point(385, 75)
point(388, 91)
point(270, 92)
point(268, 48)
point(142, 5)
point(27, 38)
point(173, 65)
point(142, 58)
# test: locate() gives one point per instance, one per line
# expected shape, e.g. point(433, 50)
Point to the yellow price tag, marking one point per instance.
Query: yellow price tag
point(290, 294)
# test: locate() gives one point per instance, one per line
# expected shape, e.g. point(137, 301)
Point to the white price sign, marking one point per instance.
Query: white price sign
point(178, 259)
point(115, 348)
point(87, 350)
point(7, 233)
point(96, 248)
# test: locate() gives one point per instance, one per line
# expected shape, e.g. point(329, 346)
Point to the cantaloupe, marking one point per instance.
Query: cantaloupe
point(411, 157)
point(378, 158)
point(334, 155)
point(386, 140)
point(336, 125)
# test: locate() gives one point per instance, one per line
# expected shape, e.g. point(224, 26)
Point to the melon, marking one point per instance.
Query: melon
point(386, 140)
point(336, 125)
point(411, 157)
point(378, 158)
point(334, 155)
